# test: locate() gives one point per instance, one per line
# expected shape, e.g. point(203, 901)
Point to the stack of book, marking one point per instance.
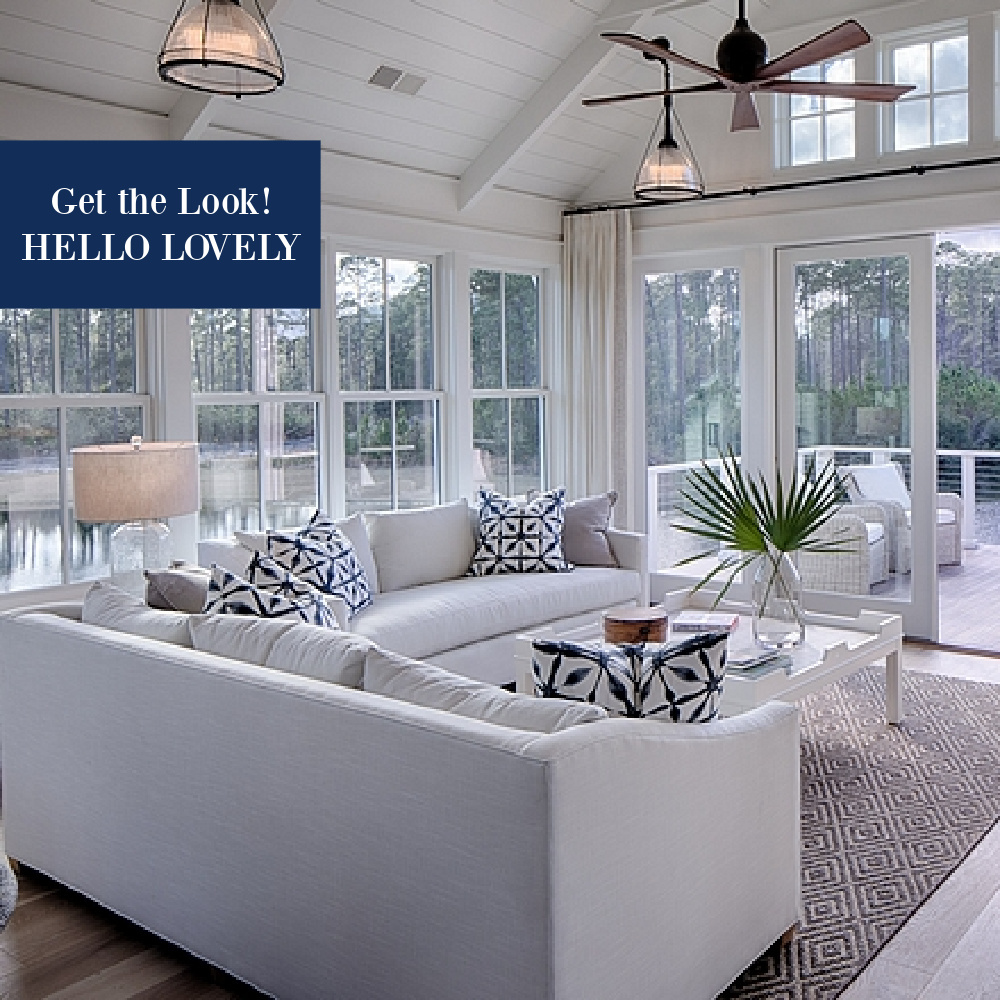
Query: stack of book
point(702, 621)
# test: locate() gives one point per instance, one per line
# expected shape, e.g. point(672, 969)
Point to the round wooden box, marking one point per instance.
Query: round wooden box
point(630, 625)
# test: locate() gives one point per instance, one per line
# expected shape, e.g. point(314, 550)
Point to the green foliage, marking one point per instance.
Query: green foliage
point(692, 330)
point(740, 512)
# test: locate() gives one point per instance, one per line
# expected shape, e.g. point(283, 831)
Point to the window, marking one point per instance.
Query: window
point(936, 112)
point(258, 418)
point(816, 129)
point(691, 323)
point(67, 378)
point(385, 333)
point(507, 401)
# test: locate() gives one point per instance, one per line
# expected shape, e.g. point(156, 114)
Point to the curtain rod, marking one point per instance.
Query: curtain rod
point(752, 191)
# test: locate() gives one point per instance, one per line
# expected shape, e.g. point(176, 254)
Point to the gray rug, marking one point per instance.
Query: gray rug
point(887, 814)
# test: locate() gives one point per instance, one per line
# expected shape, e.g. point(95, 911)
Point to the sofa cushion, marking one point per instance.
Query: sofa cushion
point(239, 637)
point(229, 594)
point(425, 545)
point(418, 683)
point(114, 608)
point(335, 657)
point(332, 568)
point(673, 682)
point(585, 531)
point(517, 537)
point(182, 587)
point(436, 617)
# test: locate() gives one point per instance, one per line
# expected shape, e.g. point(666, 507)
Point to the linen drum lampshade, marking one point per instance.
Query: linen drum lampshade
point(136, 485)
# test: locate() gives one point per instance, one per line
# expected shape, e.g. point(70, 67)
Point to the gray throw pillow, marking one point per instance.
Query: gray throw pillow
point(585, 531)
point(183, 587)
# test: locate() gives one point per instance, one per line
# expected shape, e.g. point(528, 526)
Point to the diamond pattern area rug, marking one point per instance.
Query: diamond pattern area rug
point(887, 814)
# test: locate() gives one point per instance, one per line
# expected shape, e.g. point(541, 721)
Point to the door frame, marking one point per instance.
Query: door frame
point(920, 612)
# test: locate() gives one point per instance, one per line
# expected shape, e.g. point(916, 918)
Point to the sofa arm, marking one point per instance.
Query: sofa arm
point(697, 832)
point(631, 551)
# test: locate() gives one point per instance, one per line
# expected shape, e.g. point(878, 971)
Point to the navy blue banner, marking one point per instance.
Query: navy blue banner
point(160, 225)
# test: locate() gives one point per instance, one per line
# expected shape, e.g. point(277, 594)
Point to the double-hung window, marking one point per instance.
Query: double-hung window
point(936, 111)
point(386, 347)
point(508, 401)
point(258, 417)
point(68, 377)
point(816, 129)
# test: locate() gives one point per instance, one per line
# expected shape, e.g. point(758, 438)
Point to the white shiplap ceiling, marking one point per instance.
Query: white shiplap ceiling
point(504, 77)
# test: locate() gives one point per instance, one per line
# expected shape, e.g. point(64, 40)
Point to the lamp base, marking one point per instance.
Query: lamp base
point(136, 546)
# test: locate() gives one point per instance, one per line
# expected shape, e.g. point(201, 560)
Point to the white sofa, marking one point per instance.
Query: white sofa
point(319, 841)
point(425, 607)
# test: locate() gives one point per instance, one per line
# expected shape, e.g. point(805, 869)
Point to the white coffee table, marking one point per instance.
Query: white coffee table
point(834, 648)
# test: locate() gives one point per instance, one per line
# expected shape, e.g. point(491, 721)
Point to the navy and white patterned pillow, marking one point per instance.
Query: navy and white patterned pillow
point(229, 594)
point(676, 682)
point(265, 573)
point(332, 567)
point(520, 537)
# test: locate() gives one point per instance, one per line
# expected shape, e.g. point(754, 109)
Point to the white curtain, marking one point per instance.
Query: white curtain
point(591, 383)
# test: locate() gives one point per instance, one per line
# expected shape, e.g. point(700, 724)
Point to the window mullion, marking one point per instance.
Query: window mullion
point(67, 538)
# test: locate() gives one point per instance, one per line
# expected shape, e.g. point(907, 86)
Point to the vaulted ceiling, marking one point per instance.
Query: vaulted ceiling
point(500, 105)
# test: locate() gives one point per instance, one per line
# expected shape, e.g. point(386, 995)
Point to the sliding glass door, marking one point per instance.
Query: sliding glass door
point(855, 388)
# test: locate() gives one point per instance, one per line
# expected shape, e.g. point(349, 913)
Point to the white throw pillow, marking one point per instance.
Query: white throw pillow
point(335, 657)
point(426, 545)
point(419, 683)
point(241, 637)
point(111, 607)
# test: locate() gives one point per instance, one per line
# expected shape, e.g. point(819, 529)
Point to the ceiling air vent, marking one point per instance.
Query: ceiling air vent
point(386, 77)
point(390, 78)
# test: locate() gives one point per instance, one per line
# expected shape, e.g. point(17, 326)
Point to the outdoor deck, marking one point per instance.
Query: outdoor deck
point(970, 599)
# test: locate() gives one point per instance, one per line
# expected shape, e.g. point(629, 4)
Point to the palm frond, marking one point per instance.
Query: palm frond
point(741, 512)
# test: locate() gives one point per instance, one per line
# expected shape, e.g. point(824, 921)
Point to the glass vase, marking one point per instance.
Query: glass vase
point(778, 619)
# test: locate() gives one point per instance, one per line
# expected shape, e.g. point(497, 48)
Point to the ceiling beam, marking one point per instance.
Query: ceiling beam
point(549, 101)
point(192, 114)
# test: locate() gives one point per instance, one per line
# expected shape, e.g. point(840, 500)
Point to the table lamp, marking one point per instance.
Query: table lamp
point(136, 486)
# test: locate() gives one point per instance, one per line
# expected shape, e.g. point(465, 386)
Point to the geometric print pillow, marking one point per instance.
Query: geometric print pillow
point(331, 567)
point(520, 537)
point(265, 573)
point(675, 682)
point(229, 594)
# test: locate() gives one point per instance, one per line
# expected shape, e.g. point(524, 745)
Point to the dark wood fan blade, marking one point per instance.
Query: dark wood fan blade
point(744, 113)
point(883, 92)
point(595, 102)
point(641, 44)
point(832, 43)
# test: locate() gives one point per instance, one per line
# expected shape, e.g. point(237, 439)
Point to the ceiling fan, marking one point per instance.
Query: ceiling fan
point(743, 69)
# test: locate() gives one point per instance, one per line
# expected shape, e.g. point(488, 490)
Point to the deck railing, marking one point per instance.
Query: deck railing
point(973, 474)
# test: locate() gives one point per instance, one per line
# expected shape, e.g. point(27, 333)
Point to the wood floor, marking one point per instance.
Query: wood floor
point(59, 946)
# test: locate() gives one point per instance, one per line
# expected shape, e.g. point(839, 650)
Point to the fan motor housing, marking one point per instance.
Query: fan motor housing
point(741, 53)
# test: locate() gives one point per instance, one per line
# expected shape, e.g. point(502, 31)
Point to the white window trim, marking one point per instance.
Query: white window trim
point(264, 397)
point(783, 131)
point(62, 402)
point(927, 34)
point(542, 392)
point(338, 396)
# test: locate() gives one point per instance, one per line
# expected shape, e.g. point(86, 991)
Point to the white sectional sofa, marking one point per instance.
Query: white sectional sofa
point(426, 607)
point(320, 841)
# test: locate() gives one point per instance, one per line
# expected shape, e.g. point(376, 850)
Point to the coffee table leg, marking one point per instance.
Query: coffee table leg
point(893, 688)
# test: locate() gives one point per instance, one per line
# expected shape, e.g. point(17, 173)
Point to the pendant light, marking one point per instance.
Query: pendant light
point(669, 171)
point(222, 47)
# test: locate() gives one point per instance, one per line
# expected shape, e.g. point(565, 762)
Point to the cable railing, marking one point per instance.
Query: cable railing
point(973, 474)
